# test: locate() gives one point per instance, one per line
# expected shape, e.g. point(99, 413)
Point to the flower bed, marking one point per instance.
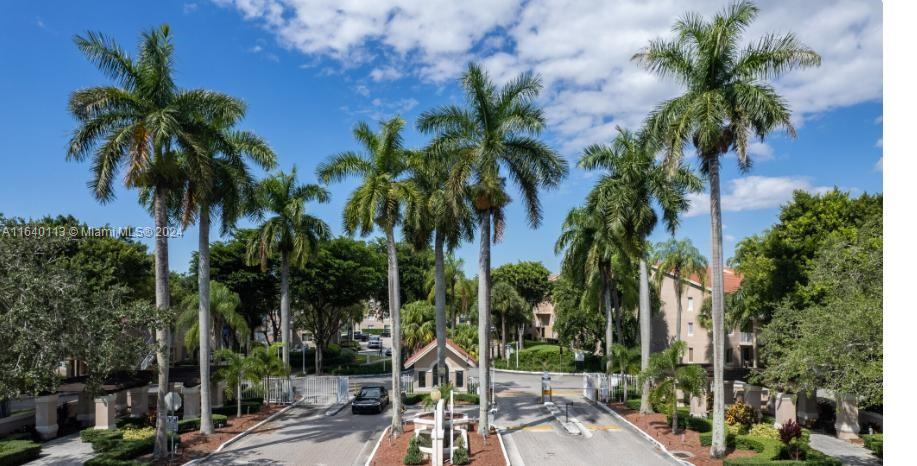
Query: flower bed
point(391, 451)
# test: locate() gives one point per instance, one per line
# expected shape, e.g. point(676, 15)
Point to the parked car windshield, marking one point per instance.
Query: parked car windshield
point(372, 392)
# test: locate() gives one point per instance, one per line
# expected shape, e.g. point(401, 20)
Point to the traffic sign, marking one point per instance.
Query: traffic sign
point(173, 401)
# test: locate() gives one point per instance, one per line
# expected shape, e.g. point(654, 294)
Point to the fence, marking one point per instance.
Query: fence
point(323, 389)
point(407, 383)
point(604, 387)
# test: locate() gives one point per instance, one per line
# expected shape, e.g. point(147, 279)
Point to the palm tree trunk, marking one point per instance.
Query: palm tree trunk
point(285, 306)
point(394, 309)
point(440, 298)
point(519, 342)
point(619, 315)
point(674, 403)
point(754, 343)
point(484, 323)
point(503, 338)
point(645, 334)
point(163, 342)
point(677, 305)
point(239, 397)
point(609, 323)
point(718, 444)
point(203, 316)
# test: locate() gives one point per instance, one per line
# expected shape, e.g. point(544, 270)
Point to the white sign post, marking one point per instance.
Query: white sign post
point(173, 403)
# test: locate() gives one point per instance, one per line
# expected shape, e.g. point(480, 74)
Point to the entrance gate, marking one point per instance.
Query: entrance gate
point(323, 389)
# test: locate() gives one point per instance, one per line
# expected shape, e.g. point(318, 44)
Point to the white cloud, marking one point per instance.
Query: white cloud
point(40, 23)
point(761, 151)
point(255, 49)
point(754, 193)
point(878, 165)
point(582, 49)
point(879, 143)
point(362, 90)
point(189, 8)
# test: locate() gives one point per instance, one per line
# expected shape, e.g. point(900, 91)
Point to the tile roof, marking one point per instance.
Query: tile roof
point(449, 344)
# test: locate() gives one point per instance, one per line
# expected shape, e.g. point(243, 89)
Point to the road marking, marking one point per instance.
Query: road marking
point(602, 427)
point(513, 393)
point(539, 428)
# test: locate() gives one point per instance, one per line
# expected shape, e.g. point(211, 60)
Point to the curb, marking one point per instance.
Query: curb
point(555, 413)
point(511, 371)
point(503, 448)
point(640, 431)
point(243, 434)
point(378, 442)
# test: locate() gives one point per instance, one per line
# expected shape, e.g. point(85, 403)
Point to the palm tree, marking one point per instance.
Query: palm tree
point(682, 260)
point(496, 132)
point(449, 220)
point(590, 250)
point(624, 198)
point(140, 124)
point(223, 306)
point(379, 202)
point(289, 232)
point(506, 303)
point(667, 374)
point(233, 369)
point(727, 99)
point(629, 360)
point(418, 326)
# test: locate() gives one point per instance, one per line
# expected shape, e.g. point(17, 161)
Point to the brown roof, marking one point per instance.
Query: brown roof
point(731, 279)
point(449, 344)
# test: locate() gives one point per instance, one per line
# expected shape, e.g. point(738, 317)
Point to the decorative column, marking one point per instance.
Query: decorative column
point(139, 400)
point(105, 412)
point(699, 405)
point(46, 416)
point(753, 396)
point(806, 407)
point(437, 434)
point(217, 393)
point(784, 409)
point(85, 408)
point(192, 402)
point(847, 422)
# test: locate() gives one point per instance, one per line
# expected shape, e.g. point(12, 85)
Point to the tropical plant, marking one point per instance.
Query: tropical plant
point(233, 369)
point(669, 376)
point(494, 135)
point(417, 324)
point(222, 311)
point(682, 260)
point(624, 198)
point(727, 100)
point(790, 434)
point(379, 202)
point(509, 306)
point(740, 414)
point(265, 361)
point(141, 124)
point(289, 232)
point(466, 336)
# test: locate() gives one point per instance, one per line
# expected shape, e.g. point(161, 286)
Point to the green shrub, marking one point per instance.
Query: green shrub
point(103, 460)
point(686, 421)
point(740, 413)
point(16, 452)
point(413, 455)
point(229, 409)
point(413, 399)
point(874, 443)
point(189, 425)
point(633, 404)
point(460, 455)
point(142, 433)
point(135, 422)
point(92, 435)
point(769, 452)
point(765, 431)
point(661, 399)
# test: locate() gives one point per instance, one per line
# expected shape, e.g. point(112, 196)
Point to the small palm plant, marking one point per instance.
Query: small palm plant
point(234, 370)
point(665, 372)
point(223, 309)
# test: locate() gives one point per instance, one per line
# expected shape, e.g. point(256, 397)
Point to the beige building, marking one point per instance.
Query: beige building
point(542, 326)
point(461, 365)
point(740, 345)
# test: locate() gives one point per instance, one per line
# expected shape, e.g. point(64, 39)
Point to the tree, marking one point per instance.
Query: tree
point(223, 311)
point(667, 374)
point(142, 123)
point(532, 281)
point(379, 202)
point(509, 306)
point(289, 232)
point(418, 325)
point(332, 287)
point(494, 133)
point(727, 99)
point(624, 198)
point(682, 260)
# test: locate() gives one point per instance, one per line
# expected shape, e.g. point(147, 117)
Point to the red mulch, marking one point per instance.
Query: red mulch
point(391, 451)
point(655, 425)
point(196, 445)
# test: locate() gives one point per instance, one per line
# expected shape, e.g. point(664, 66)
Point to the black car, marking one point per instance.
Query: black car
point(371, 399)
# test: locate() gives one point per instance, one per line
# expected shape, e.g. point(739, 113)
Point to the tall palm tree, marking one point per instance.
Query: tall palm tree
point(289, 232)
point(665, 370)
point(224, 305)
point(449, 221)
point(590, 251)
point(379, 201)
point(624, 197)
point(140, 124)
point(727, 100)
point(494, 135)
point(682, 260)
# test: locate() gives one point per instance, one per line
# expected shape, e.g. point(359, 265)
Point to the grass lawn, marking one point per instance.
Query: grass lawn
point(539, 356)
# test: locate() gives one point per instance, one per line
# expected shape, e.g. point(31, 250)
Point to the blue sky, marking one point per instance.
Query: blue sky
point(310, 70)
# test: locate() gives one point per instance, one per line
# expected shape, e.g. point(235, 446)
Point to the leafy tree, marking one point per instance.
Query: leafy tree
point(379, 202)
point(682, 260)
point(413, 267)
point(141, 124)
point(459, 290)
point(727, 100)
point(418, 325)
point(224, 305)
point(494, 135)
point(576, 325)
point(331, 288)
point(668, 375)
point(466, 336)
point(530, 279)
point(289, 232)
point(509, 306)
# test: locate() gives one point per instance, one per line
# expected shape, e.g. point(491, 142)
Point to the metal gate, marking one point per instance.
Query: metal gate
point(603, 387)
point(278, 390)
point(323, 389)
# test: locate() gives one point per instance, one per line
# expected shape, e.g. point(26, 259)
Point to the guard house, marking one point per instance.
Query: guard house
point(461, 366)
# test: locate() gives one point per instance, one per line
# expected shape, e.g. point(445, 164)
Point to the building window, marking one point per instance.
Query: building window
point(690, 304)
point(690, 354)
point(459, 378)
point(421, 379)
point(690, 328)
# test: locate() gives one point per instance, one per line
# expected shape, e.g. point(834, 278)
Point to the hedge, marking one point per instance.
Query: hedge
point(769, 452)
point(114, 450)
point(687, 421)
point(874, 443)
point(188, 425)
point(229, 409)
point(633, 404)
point(15, 452)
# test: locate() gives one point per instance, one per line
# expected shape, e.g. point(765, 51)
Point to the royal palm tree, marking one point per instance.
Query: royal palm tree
point(493, 136)
point(379, 201)
point(140, 124)
point(682, 260)
point(224, 305)
point(289, 233)
point(727, 101)
point(449, 221)
point(667, 373)
point(624, 197)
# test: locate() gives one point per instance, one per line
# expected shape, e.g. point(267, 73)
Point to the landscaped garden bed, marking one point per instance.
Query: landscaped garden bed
point(392, 450)
point(18, 451)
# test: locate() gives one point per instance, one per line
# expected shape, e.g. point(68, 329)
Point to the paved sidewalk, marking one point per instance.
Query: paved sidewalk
point(848, 453)
point(64, 451)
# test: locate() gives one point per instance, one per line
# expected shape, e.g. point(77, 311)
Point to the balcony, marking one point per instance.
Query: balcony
point(746, 338)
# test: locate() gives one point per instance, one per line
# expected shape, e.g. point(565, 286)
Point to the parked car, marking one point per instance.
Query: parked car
point(388, 351)
point(374, 342)
point(386, 333)
point(370, 399)
point(358, 336)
